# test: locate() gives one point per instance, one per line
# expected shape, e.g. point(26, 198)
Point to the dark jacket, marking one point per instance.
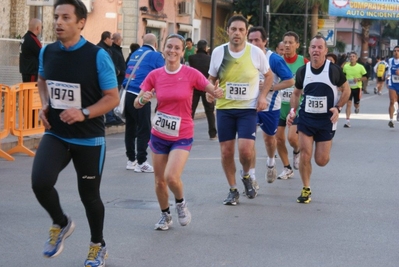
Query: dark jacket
point(119, 62)
point(29, 54)
point(200, 61)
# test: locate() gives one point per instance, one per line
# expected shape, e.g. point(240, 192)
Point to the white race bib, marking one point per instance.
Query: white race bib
point(395, 78)
point(316, 104)
point(64, 95)
point(237, 91)
point(352, 82)
point(166, 124)
point(286, 94)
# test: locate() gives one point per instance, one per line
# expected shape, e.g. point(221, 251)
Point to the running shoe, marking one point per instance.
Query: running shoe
point(97, 255)
point(305, 196)
point(347, 125)
point(55, 244)
point(357, 110)
point(250, 192)
point(375, 90)
point(144, 167)
point(130, 165)
point(232, 198)
point(271, 174)
point(379, 93)
point(184, 215)
point(164, 222)
point(286, 174)
point(390, 124)
point(296, 160)
point(254, 182)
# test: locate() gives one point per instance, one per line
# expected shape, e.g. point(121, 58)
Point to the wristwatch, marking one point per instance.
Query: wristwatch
point(85, 113)
point(338, 108)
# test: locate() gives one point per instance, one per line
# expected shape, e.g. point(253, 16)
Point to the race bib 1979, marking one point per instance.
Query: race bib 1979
point(166, 124)
point(237, 91)
point(64, 95)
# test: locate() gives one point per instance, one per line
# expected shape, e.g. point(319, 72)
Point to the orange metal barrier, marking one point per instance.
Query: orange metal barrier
point(25, 105)
point(4, 118)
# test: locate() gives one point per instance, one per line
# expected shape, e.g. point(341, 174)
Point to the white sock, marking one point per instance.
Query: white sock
point(270, 162)
point(252, 173)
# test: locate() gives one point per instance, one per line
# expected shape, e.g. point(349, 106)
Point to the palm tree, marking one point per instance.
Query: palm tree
point(315, 5)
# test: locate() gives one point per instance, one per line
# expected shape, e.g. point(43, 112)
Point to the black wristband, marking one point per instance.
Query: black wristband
point(338, 108)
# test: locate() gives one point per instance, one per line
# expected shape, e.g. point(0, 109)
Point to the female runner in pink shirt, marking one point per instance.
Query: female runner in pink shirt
point(172, 126)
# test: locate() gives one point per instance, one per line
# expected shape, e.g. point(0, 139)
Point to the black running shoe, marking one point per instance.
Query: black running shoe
point(305, 196)
point(232, 198)
point(390, 124)
point(249, 189)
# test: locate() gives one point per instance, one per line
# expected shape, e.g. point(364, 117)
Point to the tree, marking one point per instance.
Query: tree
point(316, 7)
point(279, 23)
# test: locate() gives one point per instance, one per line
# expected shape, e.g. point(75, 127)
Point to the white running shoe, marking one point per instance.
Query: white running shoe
point(130, 165)
point(144, 167)
point(271, 174)
point(184, 215)
point(296, 160)
point(286, 174)
point(164, 222)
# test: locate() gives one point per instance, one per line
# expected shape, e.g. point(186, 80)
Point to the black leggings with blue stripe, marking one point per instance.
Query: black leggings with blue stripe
point(52, 156)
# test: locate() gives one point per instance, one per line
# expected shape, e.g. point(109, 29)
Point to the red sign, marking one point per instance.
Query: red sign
point(373, 41)
point(158, 4)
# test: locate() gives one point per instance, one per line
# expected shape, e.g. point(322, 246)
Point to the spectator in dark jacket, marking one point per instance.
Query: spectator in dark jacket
point(29, 52)
point(201, 61)
point(106, 43)
point(118, 58)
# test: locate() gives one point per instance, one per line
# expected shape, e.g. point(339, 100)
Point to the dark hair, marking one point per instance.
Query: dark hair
point(258, 29)
point(201, 45)
point(334, 56)
point(134, 47)
point(189, 40)
point(293, 34)
point(353, 52)
point(80, 8)
point(105, 35)
point(342, 58)
point(235, 18)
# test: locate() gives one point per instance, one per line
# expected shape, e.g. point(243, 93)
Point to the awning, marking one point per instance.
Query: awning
point(185, 27)
point(155, 23)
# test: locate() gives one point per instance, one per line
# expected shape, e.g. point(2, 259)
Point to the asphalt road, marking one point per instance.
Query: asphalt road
point(352, 219)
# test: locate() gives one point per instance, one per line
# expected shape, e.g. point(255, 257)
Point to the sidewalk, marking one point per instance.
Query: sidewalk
point(33, 141)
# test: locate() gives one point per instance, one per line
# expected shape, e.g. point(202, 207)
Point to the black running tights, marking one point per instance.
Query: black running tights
point(52, 156)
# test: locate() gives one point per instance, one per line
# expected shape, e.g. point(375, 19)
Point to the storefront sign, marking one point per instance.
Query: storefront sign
point(371, 9)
